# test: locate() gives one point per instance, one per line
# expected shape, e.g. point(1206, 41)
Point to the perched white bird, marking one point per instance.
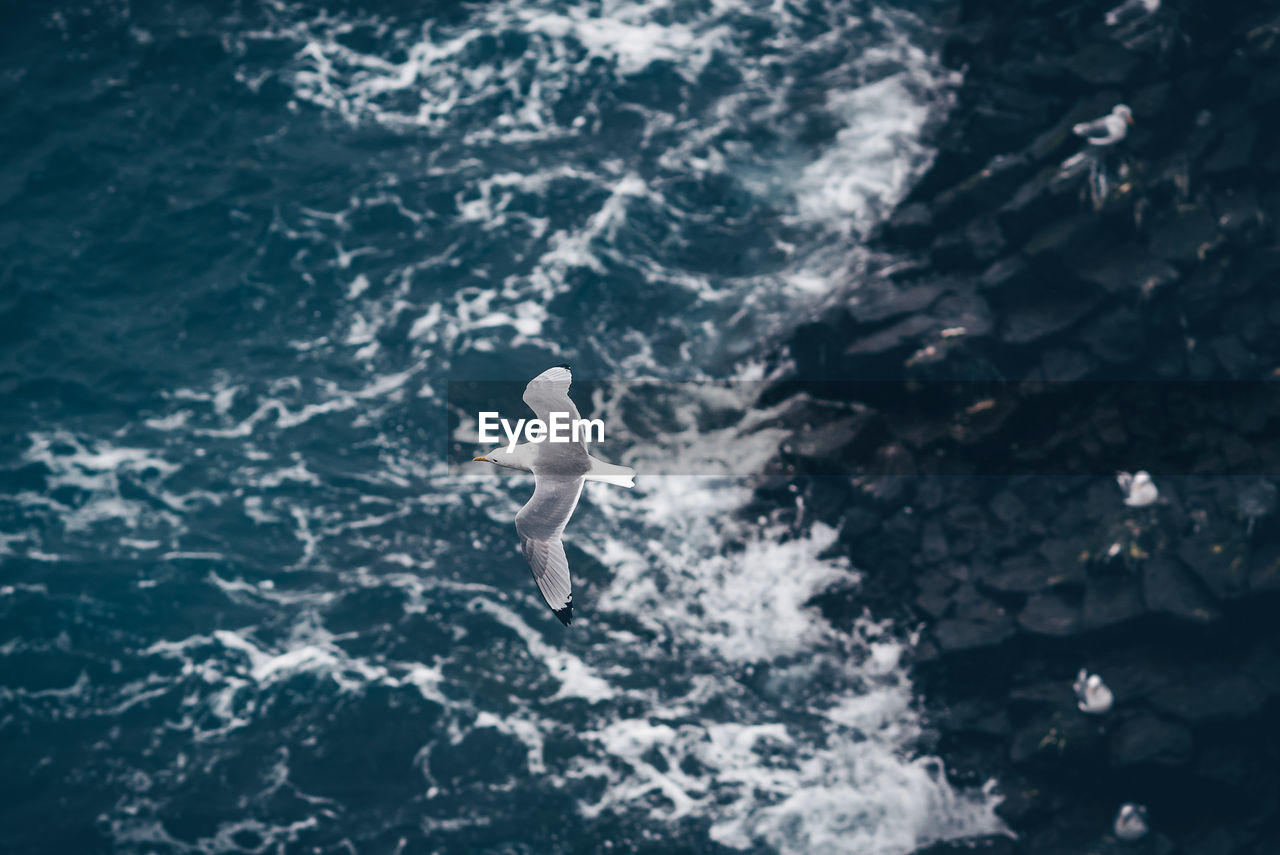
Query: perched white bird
point(1131, 822)
point(1139, 490)
point(559, 471)
point(1092, 695)
point(1106, 130)
point(1131, 10)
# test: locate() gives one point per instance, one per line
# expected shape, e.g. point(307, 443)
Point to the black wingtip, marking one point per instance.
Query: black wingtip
point(565, 614)
point(566, 366)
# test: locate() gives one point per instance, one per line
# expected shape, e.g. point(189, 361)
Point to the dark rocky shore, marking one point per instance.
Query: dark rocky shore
point(967, 405)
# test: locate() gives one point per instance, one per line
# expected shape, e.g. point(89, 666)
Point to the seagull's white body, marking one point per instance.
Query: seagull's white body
point(1106, 130)
point(559, 471)
point(1131, 822)
point(1139, 490)
point(1092, 695)
point(1131, 10)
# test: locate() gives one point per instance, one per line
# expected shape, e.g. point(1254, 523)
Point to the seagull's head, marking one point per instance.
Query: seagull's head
point(501, 457)
point(497, 457)
point(1123, 111)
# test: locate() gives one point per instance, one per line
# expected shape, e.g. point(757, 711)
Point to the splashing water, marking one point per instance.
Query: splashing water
point(247, 606)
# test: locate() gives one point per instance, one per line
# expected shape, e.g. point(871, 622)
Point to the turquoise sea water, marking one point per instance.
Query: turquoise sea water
point(244, 248)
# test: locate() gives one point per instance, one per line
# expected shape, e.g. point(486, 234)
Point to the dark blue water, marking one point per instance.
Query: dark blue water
point(244, 607)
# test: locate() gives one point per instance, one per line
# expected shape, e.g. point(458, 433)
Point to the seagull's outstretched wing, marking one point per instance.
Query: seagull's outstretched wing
point(540, 524)
point(549, 393)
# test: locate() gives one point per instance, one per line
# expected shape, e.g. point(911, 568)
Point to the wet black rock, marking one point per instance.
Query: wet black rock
point(1215, 557)
point(1211, 697)
point(1264, 568)
point(1236, 361)
point(1022, 573)
point(1003, 267)
point(1204, 291)
point(1117, 337)
point(1034, 322)
point(1103, 62)
point(883, 351)
point(1067, 238)
point(1010, 273)
point(834, 444)
point(913, 300)
point(965, 525)
point(1234, 152)
point(978, 622)
point(910, 227)
point(1186, 236)
point(1039, 204)
point(1244, 220)
point(1051, 613)
point(1111, 600)
point(933, 542)
point(1146, 739)
point(1169, 587)
point(1042, 696)
point(1262, 665)
point(1062, 739)
point(1127, 271)
point(1006, 507)
point(1067, 365)
point(934, 599)
point(981, 190)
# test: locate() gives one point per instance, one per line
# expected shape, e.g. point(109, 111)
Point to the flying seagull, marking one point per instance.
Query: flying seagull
point(559, 471)
point(1106, 130)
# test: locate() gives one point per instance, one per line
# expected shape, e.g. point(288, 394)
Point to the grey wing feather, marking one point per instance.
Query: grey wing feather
point(540, 523)
point(546, 394)
point(549, 392)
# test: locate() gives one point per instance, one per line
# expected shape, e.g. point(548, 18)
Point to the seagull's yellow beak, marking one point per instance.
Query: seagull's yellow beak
point(1129, 119)
point(479, 459)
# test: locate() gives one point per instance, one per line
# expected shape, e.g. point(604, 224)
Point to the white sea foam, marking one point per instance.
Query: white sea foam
point(762, 720)
point(820, 756)
point(96, 468)
point(846, 781)
point(874, 156)
point(441, 77)
point(576, 678)
point(816, 758)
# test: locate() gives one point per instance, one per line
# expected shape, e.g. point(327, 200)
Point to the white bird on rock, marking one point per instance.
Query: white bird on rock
point(559, 471)
point(1092, 695)
point(1131, 822)
point(1106, 130)
point(1139, 490)
point(1131, 10)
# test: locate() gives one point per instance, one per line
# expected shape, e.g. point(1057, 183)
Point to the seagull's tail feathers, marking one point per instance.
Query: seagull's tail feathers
point(622, 476)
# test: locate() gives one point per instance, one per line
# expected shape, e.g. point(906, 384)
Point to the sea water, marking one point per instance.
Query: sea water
point(246, 606)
